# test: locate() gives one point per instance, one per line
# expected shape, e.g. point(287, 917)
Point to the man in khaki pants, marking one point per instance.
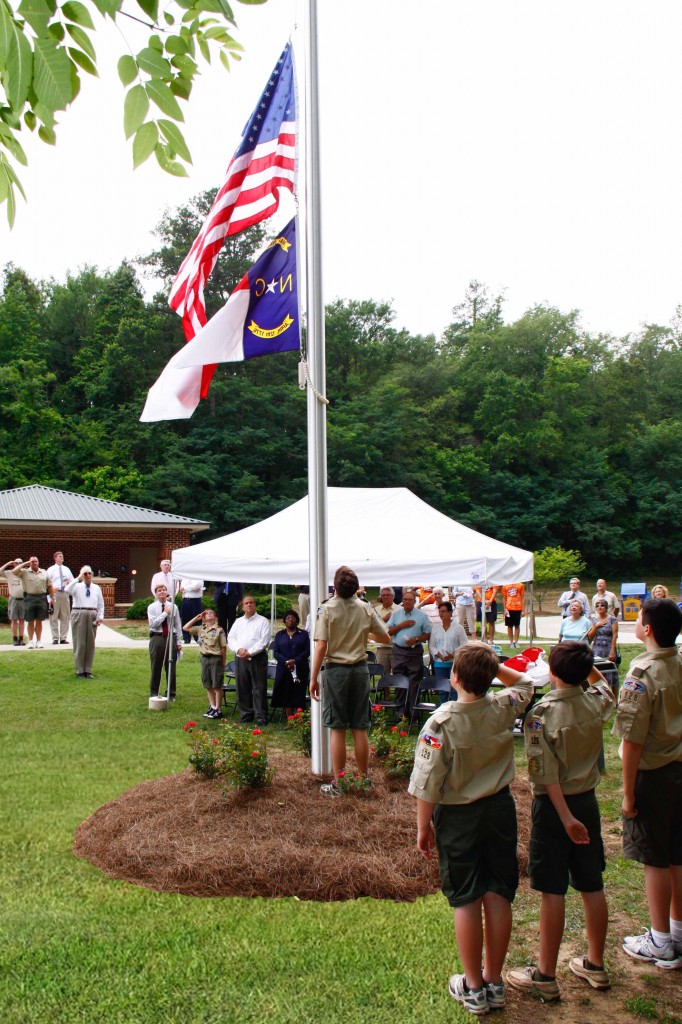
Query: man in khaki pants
point(60, 577)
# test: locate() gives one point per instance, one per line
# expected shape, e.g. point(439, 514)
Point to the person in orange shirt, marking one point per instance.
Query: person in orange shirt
point(487, 624)
point(513, 597)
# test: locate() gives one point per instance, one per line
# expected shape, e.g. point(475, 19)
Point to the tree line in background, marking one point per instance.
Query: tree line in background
point(533, 431)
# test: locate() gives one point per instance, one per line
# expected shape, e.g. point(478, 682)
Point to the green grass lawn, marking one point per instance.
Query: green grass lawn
point(76, 946)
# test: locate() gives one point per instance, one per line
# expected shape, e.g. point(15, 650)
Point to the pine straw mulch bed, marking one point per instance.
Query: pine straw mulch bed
point(179, 834)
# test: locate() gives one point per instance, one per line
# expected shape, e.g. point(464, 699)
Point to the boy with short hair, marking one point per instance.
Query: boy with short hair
point(464, 763)
point(563, 736)
point(213, 651)
point(649, 722)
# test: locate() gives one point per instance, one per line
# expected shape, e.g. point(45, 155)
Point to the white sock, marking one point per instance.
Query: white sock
point(676, 930)
point(660, 938)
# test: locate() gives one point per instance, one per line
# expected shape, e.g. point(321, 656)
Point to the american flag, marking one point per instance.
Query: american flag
point(264, 161)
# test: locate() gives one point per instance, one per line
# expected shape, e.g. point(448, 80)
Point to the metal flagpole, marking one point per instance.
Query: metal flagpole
point(317, 412)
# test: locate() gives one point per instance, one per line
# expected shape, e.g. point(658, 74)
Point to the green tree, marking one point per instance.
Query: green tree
point(552, 565)
point(46, 46)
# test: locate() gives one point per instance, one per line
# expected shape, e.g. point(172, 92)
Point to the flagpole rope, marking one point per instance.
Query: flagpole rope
point(304, 379)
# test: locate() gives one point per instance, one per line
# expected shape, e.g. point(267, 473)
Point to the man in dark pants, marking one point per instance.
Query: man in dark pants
point(164, 619)
point(409, 628)
point(249, 639)
point(227, 597)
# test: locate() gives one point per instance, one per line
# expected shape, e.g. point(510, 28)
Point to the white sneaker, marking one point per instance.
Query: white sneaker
point(31, 645)
point(38, 644)
point(472, 999)
point(643, 947)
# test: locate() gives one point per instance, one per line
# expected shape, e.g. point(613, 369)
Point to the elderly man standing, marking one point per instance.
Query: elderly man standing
point(384, 608)
point(60, 577)
point(15, 607)
point(36, 585)
point(163, 576)
point(249, 639)
point(465, 607)
point(86, 615)
point(165, 639)
point(409, 628)
point(574, 593)
point(612, 603)
point(344, 623)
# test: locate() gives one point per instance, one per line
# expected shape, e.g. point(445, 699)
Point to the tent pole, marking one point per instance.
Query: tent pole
point(531, 638)
point(317, 414)
point(273, 608)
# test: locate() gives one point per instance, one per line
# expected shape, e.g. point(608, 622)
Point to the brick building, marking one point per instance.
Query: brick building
point(123, 544)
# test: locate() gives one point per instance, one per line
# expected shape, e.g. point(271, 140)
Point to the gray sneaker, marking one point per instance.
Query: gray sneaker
point(525, 980)
point(643, 947)
point(472, 999)
point(330, 789)
point(495, 995)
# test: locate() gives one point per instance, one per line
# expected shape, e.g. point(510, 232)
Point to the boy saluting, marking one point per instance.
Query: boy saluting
point(463, 765)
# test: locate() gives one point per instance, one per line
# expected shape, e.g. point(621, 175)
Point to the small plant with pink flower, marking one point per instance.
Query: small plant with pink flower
point(353, 785)
point(301, 733)
point(238, 757)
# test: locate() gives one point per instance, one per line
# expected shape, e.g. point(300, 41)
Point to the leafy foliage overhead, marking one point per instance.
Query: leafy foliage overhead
point(46, 46)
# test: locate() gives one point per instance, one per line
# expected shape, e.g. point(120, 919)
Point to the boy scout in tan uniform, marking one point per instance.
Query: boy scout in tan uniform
point(463, 765)
point(213, 650)
point(563, 737)
point(649, 721)
point(343, 626)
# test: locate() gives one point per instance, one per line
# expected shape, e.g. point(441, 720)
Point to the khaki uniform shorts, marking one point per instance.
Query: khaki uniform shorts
point(211, 671)
point(345, 696)
point(477, 848)
point(15, 608)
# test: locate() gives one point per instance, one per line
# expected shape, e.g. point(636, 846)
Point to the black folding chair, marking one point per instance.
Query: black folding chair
point(230, 686)
point(428, 692)
point(397, 687)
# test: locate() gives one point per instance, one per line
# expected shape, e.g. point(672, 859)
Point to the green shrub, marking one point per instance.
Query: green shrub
point(3, 609)
point(282, 606)
point(138, 610)
point(238, 757)
point(353, 785)
point(400, 758)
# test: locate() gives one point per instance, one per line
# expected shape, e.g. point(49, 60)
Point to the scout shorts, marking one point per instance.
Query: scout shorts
point(477, 848)
point(345, 696)
point(15, 608)
point(555, 860)
point(654, 837)
point(211, 671)
point(35, 607)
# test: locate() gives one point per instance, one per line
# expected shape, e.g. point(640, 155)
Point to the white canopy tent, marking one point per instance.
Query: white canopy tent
point(387, 535)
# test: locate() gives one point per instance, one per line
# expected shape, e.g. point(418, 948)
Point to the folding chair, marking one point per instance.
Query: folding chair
point(429, 686)
point(371, 657)
point(399, 685)
point(375, 674)
point(230, 686)
point(272, 669)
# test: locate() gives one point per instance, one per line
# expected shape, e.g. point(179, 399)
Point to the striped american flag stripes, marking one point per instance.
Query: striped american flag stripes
point(264, 162)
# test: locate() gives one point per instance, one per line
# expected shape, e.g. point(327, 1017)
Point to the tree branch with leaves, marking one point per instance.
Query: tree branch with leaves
point(45, 47)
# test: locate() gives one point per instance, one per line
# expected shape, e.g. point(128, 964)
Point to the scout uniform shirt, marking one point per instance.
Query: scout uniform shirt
point(466, 749)
point(34, 582)
point(563, 737)
point(650, 707)
point(345, 623)
point(211, 638)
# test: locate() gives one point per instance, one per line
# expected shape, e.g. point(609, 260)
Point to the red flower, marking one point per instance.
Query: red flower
point(214, 742)
point(394, 728)
point(255, 753)
point(257, 732)
point(371, 750)
point(300, 710)
point(376, 707)
point(403, 733)
point(290, 718)
point(188, 725)
point(341, 775)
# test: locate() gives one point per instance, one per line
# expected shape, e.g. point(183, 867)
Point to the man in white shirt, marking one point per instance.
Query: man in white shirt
point(60, 577)
point(384, 608)
point(86, 615)
point(571, 595)
point(191, 605)
point(612, 603)
point(164, 576)
point(249, 639)
point(165, 640)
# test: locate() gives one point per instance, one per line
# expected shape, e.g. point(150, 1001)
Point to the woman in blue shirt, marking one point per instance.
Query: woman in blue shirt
point(576, 625)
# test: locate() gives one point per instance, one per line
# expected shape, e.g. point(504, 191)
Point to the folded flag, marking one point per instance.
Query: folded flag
point(260, 317)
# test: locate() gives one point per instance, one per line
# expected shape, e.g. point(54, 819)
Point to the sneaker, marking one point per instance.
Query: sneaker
point(495, 995)
point(209, 713)
point(472, 999)
point(643, 947)
point(329, 789)
point(39, 645)
point(597, 977)
point(31, 645)
point(216, 714)
point(526, 980)
point(15, 641)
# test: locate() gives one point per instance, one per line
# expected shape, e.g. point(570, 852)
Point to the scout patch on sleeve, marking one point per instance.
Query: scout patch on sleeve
point(634, 686)
point(533, 725)
point(431, 741)
point(424, 753)
point(535, 764)
point(535, 741)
